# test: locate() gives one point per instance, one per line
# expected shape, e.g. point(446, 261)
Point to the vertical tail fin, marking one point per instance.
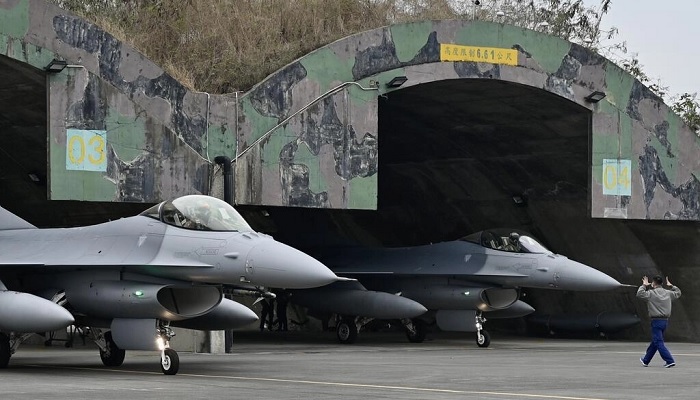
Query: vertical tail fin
point(10, 221)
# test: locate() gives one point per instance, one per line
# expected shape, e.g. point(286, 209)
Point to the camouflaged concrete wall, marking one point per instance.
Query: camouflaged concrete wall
point(120, 129)
point(645, 162)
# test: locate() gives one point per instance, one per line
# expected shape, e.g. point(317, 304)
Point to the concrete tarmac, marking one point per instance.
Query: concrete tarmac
point(275, 365)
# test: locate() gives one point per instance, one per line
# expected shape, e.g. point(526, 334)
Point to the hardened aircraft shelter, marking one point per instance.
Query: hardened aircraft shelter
point(402, 135)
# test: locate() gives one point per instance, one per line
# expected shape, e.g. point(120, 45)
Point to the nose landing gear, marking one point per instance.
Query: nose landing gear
point(483, 339)
point(169, 360)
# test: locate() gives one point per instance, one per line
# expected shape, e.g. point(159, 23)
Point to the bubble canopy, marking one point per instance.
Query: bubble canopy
point(501, 239)
point(198, 212)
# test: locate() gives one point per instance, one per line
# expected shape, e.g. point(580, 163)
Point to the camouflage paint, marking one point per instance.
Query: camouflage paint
point(14, 18)
point(408, 38)
point(326, 155)
point(547, 51)
point(329, 68)
point(557, 66)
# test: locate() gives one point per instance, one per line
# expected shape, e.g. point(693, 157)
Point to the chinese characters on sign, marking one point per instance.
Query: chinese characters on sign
point(617, 177)
point(492, 55)
point(86, 150)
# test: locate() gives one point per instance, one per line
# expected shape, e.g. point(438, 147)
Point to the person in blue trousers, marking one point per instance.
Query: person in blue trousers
point(659, 300)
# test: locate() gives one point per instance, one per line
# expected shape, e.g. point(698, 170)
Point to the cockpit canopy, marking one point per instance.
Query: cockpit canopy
point(203, 213)
point(511, 240)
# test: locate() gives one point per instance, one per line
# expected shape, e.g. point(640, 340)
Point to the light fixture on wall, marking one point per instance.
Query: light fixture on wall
point(396, 81)
point(595, 97)
point(56, 66)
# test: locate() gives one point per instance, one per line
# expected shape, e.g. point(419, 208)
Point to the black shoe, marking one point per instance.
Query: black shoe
point(670, 365)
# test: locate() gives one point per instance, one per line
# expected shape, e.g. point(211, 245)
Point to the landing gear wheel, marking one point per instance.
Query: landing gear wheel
point(113, 356)
point(417, 334)
point(483, 339)
point(4, 350)
point(346, 331)
point(170, 362)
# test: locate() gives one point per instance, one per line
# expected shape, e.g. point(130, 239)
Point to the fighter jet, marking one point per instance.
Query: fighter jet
point(131, 280)
point(459, 282)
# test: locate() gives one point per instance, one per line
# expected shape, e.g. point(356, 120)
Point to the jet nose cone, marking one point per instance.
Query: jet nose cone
point(277, 265)
point(577, 276)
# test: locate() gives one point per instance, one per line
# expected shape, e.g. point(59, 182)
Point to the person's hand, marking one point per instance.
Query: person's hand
point(645, 281)
point(668, 283)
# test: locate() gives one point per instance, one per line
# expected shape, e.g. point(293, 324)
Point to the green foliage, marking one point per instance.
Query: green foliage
point(570, 20)
point(633, 66)
point(220, 46)
point(687, 107)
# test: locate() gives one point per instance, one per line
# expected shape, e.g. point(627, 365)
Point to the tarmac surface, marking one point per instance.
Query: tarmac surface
point(293, 365)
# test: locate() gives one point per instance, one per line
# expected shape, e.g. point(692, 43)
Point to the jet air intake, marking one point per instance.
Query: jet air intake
point(446, 297)
point(130, 299)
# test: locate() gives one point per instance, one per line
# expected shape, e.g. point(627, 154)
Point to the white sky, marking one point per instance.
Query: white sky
point(663, 34)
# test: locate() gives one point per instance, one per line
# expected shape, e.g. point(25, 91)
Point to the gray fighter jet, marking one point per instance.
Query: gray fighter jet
point(459, 282)
point(137, 277)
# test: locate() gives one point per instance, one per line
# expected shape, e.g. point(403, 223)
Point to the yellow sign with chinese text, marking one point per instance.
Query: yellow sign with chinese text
point(492, 55)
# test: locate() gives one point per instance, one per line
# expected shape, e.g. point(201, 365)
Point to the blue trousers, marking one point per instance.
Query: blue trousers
point(658, 327)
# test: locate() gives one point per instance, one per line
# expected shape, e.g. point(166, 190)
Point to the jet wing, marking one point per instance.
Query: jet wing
point(34, 265)
point(508, 274)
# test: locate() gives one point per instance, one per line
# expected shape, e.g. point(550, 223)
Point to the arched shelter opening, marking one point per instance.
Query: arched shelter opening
point(462, 155)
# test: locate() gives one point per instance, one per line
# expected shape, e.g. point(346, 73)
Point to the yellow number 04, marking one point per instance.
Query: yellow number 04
point(614, 177)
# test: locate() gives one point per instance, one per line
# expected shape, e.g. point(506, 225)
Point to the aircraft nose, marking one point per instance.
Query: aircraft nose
point(274, 264)
point(577, 276)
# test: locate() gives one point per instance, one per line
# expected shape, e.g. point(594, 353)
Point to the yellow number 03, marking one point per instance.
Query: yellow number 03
point(94, 152)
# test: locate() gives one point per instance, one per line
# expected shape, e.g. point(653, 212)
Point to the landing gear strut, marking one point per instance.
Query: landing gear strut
point(5, 352)
point(482, 337)
point(169, 360)
point(415, 330)
point(110, 353)
point(346, 330)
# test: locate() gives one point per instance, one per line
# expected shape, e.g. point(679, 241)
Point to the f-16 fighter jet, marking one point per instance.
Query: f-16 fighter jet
point(459, 282)
point(132, 279)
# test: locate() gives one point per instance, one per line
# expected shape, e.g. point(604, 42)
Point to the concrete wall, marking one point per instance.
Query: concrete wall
point(121, 129)
point(644, 162)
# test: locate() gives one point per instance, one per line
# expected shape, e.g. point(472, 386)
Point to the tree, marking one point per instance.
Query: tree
point(688, 109)
point(222, 46)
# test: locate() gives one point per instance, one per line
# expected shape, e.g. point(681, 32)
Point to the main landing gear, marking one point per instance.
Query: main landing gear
point(415, 330)
point(5, 352)
point(113, 356)
point(110, 353)
point(483, 339)
point(346, 330)
point(9, 344)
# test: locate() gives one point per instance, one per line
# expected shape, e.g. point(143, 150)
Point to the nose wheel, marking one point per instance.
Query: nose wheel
point(483, 339)
point(169, 360)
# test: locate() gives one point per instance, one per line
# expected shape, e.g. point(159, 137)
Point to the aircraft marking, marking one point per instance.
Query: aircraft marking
point(339, 384)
